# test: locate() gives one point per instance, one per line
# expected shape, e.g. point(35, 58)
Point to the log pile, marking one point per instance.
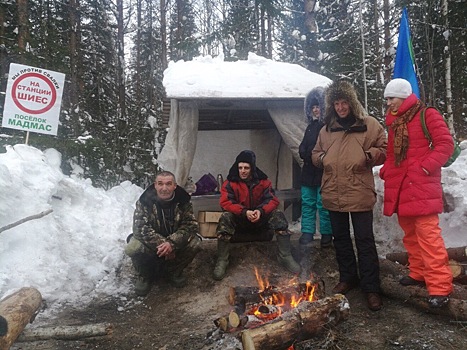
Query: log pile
point(261, 319)
point(417, 296)
point(308, 319)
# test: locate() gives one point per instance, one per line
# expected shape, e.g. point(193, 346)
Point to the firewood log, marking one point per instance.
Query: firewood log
point(396, 271)
point(253, 295)
point(247, 294)
point(456, 268)
point(66, 332)
point(458, 254)
point(455, 309)
point(308, 319)
point(18, 309)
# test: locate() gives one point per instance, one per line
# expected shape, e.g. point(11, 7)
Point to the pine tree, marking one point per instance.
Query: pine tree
point(184, 43)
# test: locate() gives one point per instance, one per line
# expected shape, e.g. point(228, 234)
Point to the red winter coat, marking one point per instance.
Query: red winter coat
point(408, 190)
point(237, 198)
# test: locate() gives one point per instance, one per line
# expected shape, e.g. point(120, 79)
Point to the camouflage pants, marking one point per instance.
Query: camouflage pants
point(230, 223)
point(148, 264)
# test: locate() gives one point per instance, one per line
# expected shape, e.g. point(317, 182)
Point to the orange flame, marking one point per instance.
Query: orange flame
point(263, 283)
point(271, 297)
point(310, 291)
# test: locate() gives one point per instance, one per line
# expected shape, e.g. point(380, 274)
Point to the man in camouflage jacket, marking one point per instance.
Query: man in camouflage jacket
point(165, 234)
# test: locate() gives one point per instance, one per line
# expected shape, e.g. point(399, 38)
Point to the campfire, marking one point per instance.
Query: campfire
point(275, 301)
point(275, 317)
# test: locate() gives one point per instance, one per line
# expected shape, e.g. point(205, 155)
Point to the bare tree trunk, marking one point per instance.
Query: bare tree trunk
point(121, 59)
point(179, 34)
point(262, 20)
point(138, 46)
point(431, 65)
point(76, 83)
point(163, 34)
point(387, 42)
point(208, 24)
point(22, 26)
point(447, 65)
point(270, 31)
point(310, 20)
point(379, 76)
point(363, 57)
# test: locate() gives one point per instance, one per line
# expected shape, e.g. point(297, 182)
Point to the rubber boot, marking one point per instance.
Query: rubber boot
point(222, 259)
point(145, 277)
point(285, 257)
point(182, 260)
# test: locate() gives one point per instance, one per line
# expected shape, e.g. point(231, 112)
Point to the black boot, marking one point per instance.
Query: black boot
point(285, 257)
point(222, 260)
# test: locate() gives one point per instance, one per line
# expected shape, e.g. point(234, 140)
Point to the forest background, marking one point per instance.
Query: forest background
point(114, 53)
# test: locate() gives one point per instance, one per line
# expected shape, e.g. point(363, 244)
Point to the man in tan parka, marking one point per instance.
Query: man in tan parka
point(348, 146)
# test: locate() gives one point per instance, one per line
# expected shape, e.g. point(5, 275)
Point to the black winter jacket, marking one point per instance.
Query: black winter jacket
point(311, 175)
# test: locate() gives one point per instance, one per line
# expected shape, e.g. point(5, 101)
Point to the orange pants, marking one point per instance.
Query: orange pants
point(428, 258)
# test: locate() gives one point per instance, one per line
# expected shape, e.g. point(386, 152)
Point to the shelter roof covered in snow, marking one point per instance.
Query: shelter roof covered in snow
point(210, 94)
point(255, 78)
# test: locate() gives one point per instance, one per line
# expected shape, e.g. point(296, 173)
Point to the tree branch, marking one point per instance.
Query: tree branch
point(32, 217)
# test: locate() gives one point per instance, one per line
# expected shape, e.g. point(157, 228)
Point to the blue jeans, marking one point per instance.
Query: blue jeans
point(311, 203)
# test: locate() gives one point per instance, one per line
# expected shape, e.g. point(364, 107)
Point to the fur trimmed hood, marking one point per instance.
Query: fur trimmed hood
point(342, 90)
point(313, 98)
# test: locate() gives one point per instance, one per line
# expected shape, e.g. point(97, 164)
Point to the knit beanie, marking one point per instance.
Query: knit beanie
point(398, 88)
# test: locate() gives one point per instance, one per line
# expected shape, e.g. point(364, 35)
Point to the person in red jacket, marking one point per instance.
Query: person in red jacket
point(412, 187)
point(249, 203)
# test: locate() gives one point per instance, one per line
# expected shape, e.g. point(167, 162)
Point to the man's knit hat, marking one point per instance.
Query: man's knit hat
point(398, 88)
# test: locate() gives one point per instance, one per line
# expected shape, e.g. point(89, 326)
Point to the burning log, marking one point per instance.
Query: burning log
point(458, 254)
point(308, 319)
point(17, 310)
point(252, 295)
point(244, 295)
point(416, 296)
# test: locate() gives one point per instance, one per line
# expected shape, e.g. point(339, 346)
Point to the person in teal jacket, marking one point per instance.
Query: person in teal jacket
point(312, 175)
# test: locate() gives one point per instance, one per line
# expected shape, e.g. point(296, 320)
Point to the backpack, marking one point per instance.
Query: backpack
point(457, 149)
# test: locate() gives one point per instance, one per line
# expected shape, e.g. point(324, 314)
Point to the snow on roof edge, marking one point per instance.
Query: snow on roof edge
point(255, 78)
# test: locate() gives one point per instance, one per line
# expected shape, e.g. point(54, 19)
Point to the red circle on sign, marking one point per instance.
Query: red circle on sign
point(32, 111)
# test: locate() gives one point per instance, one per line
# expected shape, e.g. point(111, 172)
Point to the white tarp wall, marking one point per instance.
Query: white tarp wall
point(181, 142)
point(291, 123)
